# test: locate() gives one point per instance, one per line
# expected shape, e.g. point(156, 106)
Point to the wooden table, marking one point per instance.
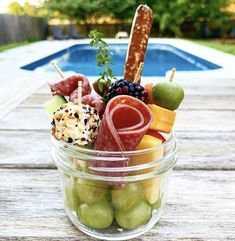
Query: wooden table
point(201, 204)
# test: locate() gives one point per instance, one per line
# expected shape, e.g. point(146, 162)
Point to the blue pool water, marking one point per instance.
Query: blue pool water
point(159, 59)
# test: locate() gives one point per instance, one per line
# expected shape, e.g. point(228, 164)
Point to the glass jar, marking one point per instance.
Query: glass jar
point(114, 195)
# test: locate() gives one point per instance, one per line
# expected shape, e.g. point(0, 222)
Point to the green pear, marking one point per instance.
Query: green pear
point(168, 94)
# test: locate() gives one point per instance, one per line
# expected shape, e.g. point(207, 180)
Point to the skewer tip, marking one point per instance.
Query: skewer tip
point(79, 92)
point(138, 74)
point(173, 70)
point(56, 67)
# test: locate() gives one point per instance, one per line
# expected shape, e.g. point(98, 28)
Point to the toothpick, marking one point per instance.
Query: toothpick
point(137, 76)
point(173, 70)
point(79, 92)
point(53, 63)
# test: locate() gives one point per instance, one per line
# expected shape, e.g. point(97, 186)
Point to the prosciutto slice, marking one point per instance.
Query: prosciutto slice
point(68, 85)
point(125, 121)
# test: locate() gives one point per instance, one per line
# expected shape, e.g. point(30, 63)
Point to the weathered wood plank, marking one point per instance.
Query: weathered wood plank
point(190, 102)
point(205, 120)
point(32, 149)
point(187, 120)
point(22, 149)
point(214, 102)
point(35, 101)
point(200, 207)
point(210, 90)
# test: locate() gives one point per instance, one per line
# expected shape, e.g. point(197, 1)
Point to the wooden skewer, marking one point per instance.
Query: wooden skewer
point(137, 76)
point(53, 63)
point(173, 70)
point(79, 92)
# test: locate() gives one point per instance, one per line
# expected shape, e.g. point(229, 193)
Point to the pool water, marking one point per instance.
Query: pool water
point(159, 59)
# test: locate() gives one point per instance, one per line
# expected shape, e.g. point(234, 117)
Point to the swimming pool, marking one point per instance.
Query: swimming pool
point(159, 59)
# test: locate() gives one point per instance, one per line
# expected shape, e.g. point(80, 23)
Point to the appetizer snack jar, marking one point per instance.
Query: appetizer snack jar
point(115, 195)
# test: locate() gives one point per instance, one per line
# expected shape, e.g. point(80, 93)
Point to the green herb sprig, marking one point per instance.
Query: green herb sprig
point(103, 59)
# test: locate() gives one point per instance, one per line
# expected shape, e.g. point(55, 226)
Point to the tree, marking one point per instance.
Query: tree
point(169, 15)
point(27, 9)
point(16, 8)
point(123, 11)
point(172, 14)
point(77, 9)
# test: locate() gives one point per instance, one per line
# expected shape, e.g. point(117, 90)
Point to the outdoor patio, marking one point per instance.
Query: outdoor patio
point(202, 194)
point(201, 201)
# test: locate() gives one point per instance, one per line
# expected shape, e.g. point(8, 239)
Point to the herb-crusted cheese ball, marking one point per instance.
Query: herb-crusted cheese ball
point(76, 124)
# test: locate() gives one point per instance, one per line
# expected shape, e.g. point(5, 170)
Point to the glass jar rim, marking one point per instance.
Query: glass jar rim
point(79, 149)
point(170, 161)
point(62, 149)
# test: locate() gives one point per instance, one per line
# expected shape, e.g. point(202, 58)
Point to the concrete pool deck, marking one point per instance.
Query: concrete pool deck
point(17, 84)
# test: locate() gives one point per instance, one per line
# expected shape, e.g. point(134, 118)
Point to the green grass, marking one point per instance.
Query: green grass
point(219, 45)
point(12, 45)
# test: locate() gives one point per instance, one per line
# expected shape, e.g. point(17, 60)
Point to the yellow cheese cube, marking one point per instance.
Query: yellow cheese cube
point(163, 119)
point(151, 186)
point(147, 142)
point(152, 189)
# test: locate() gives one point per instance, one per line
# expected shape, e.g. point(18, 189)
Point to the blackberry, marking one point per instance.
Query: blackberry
point(125, 87)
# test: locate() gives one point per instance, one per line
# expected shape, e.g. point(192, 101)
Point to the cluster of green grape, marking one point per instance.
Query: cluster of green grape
point(97, 204)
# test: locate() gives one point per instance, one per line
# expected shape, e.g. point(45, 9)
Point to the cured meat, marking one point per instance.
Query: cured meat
point(140, 32)
point(91, 99)
point(156, 134)
point(149, 89)
point(66, 86)
point(125, 121)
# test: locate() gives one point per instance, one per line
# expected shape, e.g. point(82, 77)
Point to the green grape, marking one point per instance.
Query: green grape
point(133, 218)
point(108, 197)
point(96, 215)
point(90, 192)
point(72, 199)
point(127, 197)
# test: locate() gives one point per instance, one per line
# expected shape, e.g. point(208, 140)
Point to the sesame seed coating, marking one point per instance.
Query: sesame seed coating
point(76, 124)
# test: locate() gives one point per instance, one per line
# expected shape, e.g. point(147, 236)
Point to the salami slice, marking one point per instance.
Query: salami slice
point(66, 86)
point(125, 121)
point(91, 99)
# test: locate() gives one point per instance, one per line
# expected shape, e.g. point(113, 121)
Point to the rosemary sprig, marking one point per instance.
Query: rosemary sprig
point(103, 59)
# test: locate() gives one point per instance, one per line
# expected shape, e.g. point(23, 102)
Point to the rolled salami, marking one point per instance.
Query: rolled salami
point(140, 32)
point(68, 85)
point(125, 121)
